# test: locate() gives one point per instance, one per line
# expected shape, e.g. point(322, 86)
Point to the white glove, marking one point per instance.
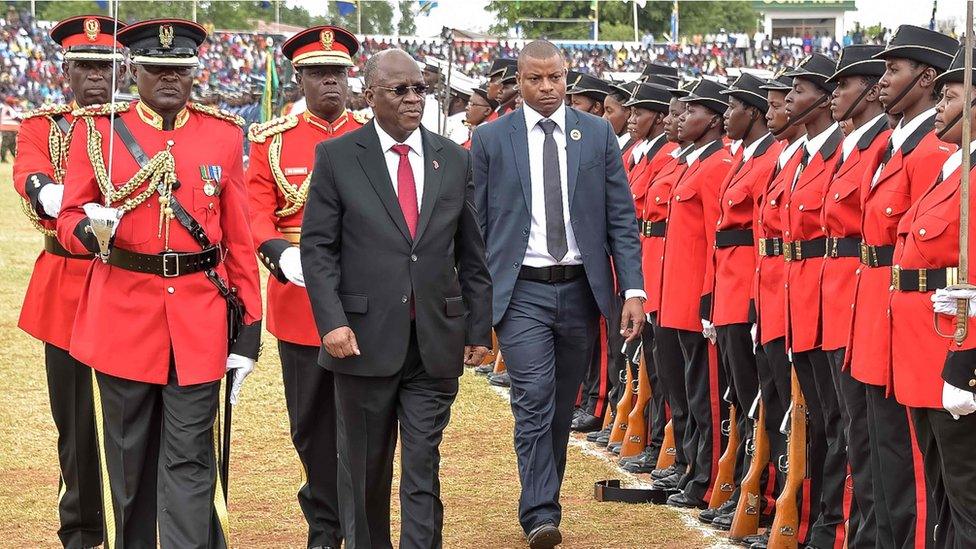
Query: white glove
point(50, 198)
point(243, 366)
point(944, 301)
point(708, 330)
point(290, 264)
point(97, 212)
point(957, 401)
point(754, 331)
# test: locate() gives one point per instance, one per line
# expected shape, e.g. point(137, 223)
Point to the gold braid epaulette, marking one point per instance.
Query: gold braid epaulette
point(259, 133)
point(217, 113)
point(103, 109)
point(361, 116)
point(46, 110)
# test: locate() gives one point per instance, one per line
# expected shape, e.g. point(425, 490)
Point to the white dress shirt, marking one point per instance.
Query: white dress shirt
point(751, 149)
point(646, 145)
point(852, 138)
point(622, 140)
point(432, 113)
point(955, 161)
point(695, 153)
point(416, 157)
point(788, 152)
point(813, 146)
point(455, 129)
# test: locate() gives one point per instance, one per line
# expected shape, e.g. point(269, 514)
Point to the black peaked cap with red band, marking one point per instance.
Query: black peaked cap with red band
point(322, 45)
point(89, 37)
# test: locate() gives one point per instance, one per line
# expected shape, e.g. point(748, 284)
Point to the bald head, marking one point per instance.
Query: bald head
point(538, 50)
point(386, 61)
point(395, 91)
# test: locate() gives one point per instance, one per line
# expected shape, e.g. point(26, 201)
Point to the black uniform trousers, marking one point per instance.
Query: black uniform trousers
point(158, 451)
point(603, 387)
point(865, 521)
point(773, 368)
point(671, 371)
point(734, 343)
point(657, 417)
point(827, 448)
point(69, 387)
point(705, 384)
point(310, 398)
point(370, 412)
point(950, 475)
point(898, 494)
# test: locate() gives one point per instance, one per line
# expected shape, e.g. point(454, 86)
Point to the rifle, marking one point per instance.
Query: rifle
point(725, 478)
point(624, 405)
point(745, 522)
point(635, 439)
point(783, 532)
point(665, 459)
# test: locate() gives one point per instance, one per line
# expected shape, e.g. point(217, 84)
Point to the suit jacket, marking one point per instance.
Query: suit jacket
point(601, 208)
point(363, 270)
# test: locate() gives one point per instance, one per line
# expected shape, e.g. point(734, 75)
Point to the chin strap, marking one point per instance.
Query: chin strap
point(808, 110)
point(955, 120)
point(850, 110)
point(901, 95)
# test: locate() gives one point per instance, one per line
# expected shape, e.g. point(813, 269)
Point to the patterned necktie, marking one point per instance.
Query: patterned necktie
point(407, 188)
point(553, 192)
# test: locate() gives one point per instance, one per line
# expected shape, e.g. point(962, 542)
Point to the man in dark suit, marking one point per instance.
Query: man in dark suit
point(394, 263)
point(555, 207)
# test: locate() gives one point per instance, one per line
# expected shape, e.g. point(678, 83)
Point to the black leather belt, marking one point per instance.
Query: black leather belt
point(923, 280)
point(53, 247)
point(553, 274)
point(610, 490)
point(733, 237)
point(799, 250)
point(877, 256)
point(652, 228)
point(843, 246)
point(166, 265)
point(770, 247)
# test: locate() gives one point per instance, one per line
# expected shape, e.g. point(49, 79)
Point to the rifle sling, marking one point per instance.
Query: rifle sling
point(610, 490)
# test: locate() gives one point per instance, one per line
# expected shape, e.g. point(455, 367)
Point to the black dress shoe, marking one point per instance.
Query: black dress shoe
point(753, 539)
point(500, 380)
point(591, 437)
point(647, 457)
point(666, 472)
point(484, 369)
point(545, 536)
point(586, 423)
point(682, 500)
point(709, 515)
point(614, 447)
point(603, 439)
point(760, 541)
point(724, 522)
point(667, 483)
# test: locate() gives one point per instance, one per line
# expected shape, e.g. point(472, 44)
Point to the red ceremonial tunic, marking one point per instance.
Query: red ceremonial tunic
point(842, 219)
point(51, 300)
point(734, 266)
point(129, 323)
point(910, 171)
point(801, 222)
point(768, 286)
point(928, 238)
point(692, 216)
point(655, 210)
point(292, 139)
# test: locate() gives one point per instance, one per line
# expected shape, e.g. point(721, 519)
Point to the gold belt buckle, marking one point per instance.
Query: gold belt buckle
point(896, 277)
point(831, 247)
point(922, 280)
point(762, 246)
point(865, 255)
point(952, 276)
point(787, 251)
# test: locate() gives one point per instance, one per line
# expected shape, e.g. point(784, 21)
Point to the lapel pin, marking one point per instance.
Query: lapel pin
point(576, 135)
point(436, 164)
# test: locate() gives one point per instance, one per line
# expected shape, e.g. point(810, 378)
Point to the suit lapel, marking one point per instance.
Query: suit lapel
point(572, 151)
point(374, 165)
point(520, 150)
point(433, 176)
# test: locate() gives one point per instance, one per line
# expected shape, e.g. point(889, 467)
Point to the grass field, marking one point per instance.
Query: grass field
point(479, 482)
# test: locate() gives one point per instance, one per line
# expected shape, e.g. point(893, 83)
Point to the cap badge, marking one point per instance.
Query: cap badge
point(805, 61)
point(327, 37)
point(91, 29)
point(166, 36)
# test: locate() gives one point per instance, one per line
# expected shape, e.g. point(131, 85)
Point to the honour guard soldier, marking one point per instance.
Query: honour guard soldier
point(588, 93)
point(498, 71)
point(174, 301)
point(615, 113)
point(480, 107)
point(91, 54)
point(734, 260)
point(854, 100)
point(804, 247)
point(689, 238)
point(283, 153)
point(909, 164)
point(932, 375)
point(660, 70)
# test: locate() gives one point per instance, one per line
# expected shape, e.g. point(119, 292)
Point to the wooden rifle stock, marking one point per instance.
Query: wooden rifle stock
point(635, 439)
point(725, 478)
point(624, 406)
point(499, 363)
point(665, 459)
point(745, 522)
point(493, 352)
point(786, 523)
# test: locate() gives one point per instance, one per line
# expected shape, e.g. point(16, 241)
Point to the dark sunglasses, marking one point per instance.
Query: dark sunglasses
point(403, 89)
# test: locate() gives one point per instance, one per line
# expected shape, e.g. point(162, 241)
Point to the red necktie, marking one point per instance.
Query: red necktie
point(407, 189)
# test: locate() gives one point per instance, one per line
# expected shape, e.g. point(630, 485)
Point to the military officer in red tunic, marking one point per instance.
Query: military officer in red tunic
point(153, 319)
point(931, 374)
point(282, 156)
point(55, 285)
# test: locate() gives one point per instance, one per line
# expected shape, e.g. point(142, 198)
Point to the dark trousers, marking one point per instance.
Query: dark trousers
point(310, 398)
point(671, 370)
point(158, 450)
point(657, 419)
point(773, 368)
point(370, 409)
point(546, 337)
point(69, 386)
point(899, 496)
point(950, 474)
point(739, 360)
point(865, 519)
point(827, 453)
point(603, 386)
point(705, 384)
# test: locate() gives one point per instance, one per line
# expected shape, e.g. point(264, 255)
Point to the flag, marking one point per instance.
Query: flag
point(674, 22)
point(346, 7)
point(270, 86)
point(426, 6)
